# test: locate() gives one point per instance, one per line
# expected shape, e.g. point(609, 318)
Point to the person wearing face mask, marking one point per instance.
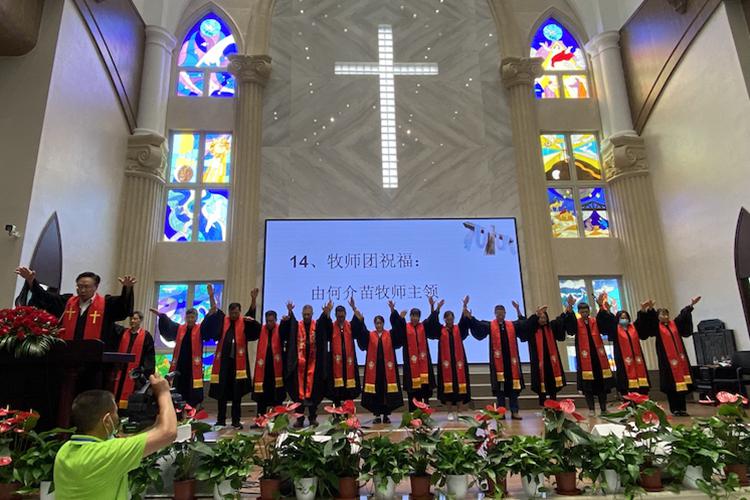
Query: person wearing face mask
point(134, 340)
point(547, 373)
point(632, 373)
point(94, 463)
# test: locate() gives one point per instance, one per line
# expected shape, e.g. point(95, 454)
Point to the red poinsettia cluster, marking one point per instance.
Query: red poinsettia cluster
point(565, 406)
point(728, 398)
point(270, 415)
point(489, 413)
point(348, 411)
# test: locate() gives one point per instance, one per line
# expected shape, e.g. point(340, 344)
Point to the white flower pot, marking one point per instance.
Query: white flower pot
point(457, 486)
point(384, 491)
point(692, 475)
point(223, 489)
point(44, 493)
point(611, 482)
point(532, 487)
point(304, 489)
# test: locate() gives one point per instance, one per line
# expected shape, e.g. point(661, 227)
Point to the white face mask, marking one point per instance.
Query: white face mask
point(111, 428)
point(624, 322)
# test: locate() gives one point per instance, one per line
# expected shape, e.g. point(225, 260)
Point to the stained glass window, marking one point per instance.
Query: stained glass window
point(184, 158)
point(555, 157)
point(594, 212)
point(217, 158)
point(576, 86)
point(562, 212)
point(178, 219)
point(611, 287)
point(172, 300)
point(546, 87)
point(586, 154)
point(213, 219)
point(205, 52)
point(201, 301)
point(560, 52)
point(575, 288)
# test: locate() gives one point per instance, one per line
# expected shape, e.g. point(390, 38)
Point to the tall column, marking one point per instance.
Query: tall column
point(518, 76)
point(145, 169)
point(251, 75)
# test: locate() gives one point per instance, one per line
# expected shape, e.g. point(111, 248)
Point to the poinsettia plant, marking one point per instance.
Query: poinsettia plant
point(28, 331)
point(561, 428)
point(647, 423)
point(15, 439)
point(486, 427)
point(730, 428)
point(421, 437)
point(272, 423)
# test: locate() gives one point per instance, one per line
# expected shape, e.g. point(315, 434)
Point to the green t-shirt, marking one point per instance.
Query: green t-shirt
point(87, 468)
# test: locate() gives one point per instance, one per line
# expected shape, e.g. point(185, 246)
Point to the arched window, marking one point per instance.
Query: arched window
point(563, 61)
point(203, 57)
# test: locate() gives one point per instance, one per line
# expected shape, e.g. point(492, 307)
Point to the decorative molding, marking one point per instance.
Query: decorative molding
point(250, 69)
point(147, 156)
point(624, 156)
point(20, 21)
point(157, 35)
point(605, 40)
point(679, 5)
point(517, 71)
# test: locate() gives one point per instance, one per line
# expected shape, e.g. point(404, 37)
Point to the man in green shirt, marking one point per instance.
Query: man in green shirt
point(94, 465)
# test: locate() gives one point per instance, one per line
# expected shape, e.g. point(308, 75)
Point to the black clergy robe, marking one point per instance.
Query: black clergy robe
point(148, 357)
point(600, 384)
point(183, 382)
point(229, 387)
point(381, 402)
point(450, 395)
point(557, 326)
point(647, 325)
point(116, 308)
point(321, 360)
point(480, 330)
point(343, 392)
point(398, 328)
point(608, 327)
point(270, 395)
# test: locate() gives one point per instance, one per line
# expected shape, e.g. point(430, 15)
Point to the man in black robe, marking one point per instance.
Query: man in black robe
point(145, 357)
point(418, 382)
point(342, 357)
point(306, 369)
point(116, 307)
point(505, 385)
point(547, 371)
point(379, 396)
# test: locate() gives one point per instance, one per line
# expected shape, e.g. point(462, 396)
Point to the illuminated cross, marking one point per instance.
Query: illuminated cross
point(94, 316)
point(386, 69)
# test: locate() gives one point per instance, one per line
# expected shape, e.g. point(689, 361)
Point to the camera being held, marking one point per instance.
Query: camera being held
point(143, 408)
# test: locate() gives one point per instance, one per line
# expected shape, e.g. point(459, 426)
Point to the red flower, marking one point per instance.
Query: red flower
point(4, 412)
point(497, 410)
point(726, 397)
point(552, 404)
point(482, 417)
point(567, 406)
point(350, 407)
point(6, 460)
point(335, 410)
point(650, 417)
point(422, 406)
point(636, 397)
point(352, 423)
point(623, 406)
point(261, 421)
point(415, 423)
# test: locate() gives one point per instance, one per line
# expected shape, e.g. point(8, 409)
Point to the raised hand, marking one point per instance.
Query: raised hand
point(403, 313)
point(541, 310)
point(570, 303)
point(254, 294)
point(210, 289)
point(516, 306)
point(351, 302)
point(290, 306)
point(154, 310)
point(391, 305)
point(648, 304)
point(466, 302)
point(431, 300)
point(328, 307)
point(127, 281)
point(695, 300)
point(440, 304)
point(27, 274)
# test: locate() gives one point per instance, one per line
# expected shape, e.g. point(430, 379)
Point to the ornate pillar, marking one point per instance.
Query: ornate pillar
point(251, 74)
point(145, 169)
point(518, 76)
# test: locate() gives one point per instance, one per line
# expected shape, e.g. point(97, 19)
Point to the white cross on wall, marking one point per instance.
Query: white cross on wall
point(386, 69)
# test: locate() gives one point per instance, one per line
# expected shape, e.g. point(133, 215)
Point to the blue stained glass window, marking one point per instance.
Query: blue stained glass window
point(213, 218)
point(574, 287)
point(190, 83)
point(172, 301)
point(178, 219)
point(611, 287)
point(562, 212)
point(594, 212)
point(557, 48)
point(201, 302)
point(207, 44)
point(221, 84)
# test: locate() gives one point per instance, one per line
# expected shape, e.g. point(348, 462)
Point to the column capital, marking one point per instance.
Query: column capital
point(250, 69)
point(603, 41)
point(517, 71)
point(146, 156)
point(624, 155)
point(159, 36)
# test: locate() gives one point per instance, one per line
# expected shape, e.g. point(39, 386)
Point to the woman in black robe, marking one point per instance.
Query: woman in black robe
point(544, 381)
point(346, 387)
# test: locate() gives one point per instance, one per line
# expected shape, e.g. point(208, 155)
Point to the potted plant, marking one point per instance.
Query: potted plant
point(226, 464)
point(385, 462)
point(729, 425)
point(186, 456)
point(615, 464)
point(33, 467)
point(568, 442)
point(28, 331)
point(694, 455)
point(486, 428)
point(267, 456)
point(302, 460)
point(527, 456)
point(454, 461)
point(341, 451)
point(147, 475)
point(15, 427)
point(646, 422)
point(421, 438)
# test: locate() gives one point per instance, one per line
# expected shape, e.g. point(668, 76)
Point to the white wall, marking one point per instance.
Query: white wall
point(80, 166)
point(698, 150)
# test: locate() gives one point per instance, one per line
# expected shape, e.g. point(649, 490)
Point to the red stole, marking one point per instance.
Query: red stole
point(675, 351)
point(129, 384)
point(195, 348)
point(240, 358)
point(544, 336)
point(446, 363)
point(585, 350)
point(418, 366)
point(338, 356)
point(371, 366)
point(630, 347)
point(497, 352)
point(94, 318)
point(262, 354)
point(305, 366)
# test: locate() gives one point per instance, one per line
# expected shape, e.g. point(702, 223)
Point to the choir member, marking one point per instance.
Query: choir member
point(187, 356)
point(134, 340)
point(343, 377)
point(506, 376)
point(230, 373)
point(547, 373)
point(454, 386)
point(594, 376)
point(305, 374)
point(86, 315)
point(631, 374)
point(419, 378)
point(382, 390)
point(270, 358)
point(674, 365)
